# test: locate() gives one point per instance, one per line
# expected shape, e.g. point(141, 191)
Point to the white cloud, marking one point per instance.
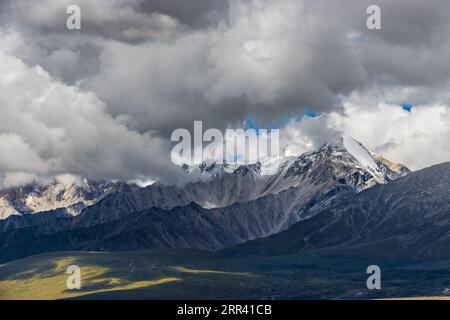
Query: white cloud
point(48, 127)
point(140, 73)
point(416, 139)
point(16, 179)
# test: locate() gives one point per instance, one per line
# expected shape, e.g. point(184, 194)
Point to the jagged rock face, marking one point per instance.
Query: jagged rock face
point(228, 206)
point(409, 217)
point(301, 186)
point(71, 197)
point(220, 185)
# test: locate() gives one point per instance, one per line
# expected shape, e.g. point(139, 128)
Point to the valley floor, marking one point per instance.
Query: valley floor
point(181, 274)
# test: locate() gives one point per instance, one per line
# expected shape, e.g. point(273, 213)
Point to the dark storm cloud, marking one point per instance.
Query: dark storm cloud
point(115, 19)
point(5, 11)
point(272, 59)
point(74, 56)
point(268, 56)
point(414, 23)
point(194, 13)
point(158, 65)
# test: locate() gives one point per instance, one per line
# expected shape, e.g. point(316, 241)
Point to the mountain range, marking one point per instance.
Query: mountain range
point(308, 230)
point(226, 206)
point(406, 218)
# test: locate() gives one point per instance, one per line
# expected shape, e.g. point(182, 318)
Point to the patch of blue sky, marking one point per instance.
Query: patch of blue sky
point(406, 106)
point(251, 123)
point(235, 158)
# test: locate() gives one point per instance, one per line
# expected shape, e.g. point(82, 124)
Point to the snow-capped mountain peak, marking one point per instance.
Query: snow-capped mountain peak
point(229, 204)
point(259, 204)
point(71, 196)
point(357, 150)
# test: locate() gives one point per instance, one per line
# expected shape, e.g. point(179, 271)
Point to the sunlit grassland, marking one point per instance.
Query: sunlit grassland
point(48, 281)
point(191, 274)
point(197, 271)
point(44, 277)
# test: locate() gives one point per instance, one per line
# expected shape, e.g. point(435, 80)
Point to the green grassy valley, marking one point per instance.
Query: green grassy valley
point(179, 274)
point(132, 275)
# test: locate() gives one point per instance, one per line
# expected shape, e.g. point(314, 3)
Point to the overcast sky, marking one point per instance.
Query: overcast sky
point(102, 101)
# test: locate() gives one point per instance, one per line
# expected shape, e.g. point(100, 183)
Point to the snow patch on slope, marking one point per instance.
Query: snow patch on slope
point(363, 156)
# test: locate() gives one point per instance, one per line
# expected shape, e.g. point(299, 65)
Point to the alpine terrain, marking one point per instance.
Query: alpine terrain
point(227, 205)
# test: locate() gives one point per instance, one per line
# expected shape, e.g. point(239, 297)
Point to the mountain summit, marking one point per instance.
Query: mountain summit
point(301, 185)
point(407, 218)
point(224, 208)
